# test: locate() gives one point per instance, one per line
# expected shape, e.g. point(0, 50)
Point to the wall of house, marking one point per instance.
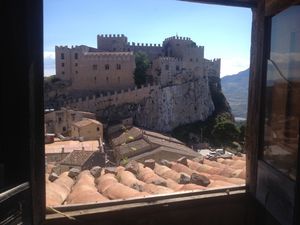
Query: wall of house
point(91, 131)
point(59, 122)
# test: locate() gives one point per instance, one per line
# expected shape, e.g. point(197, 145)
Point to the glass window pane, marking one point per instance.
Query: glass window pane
point(282, 108)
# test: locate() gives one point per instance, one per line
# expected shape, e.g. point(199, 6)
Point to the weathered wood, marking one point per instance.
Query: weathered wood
point(275, 6)
point(13, 191)
point(165, 211)
point(253, 128)
point(241, 3)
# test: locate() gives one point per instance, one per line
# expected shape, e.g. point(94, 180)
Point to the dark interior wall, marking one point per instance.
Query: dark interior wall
point(22, 97)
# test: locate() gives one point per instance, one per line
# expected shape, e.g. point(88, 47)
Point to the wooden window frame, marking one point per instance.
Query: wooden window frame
point(29, 183)
point(268, 181)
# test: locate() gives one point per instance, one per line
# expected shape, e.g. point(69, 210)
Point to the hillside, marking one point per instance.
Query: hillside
point(235, 89)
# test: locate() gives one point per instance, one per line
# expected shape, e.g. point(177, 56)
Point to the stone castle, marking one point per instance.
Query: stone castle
point(179, 91)
point(111, 65)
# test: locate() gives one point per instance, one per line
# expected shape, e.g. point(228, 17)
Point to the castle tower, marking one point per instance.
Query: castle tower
point(112, 43)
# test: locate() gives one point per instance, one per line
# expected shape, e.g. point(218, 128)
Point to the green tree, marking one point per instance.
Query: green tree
point(242, 132)
point(142, 63)
point(225, 132)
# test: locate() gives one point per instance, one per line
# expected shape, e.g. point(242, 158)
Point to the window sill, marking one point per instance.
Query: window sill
point(164, 201)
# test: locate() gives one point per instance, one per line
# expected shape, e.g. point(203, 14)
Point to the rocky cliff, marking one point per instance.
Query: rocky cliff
point(175, 105)
point(160, 108)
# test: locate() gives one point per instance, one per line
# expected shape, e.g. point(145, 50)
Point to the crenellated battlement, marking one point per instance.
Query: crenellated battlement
point(76, 63)
point(133, 44)
point(177, 38)
point(111, 35)
point(170, 59)
point(62, 47)
point(130, 95)
point(115, 56)
point(215, 60)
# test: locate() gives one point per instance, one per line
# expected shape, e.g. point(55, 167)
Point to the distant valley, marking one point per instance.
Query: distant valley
point(235, 89)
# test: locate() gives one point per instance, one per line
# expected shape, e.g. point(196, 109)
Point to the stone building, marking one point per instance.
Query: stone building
point(136, 144)
point(59, 122)
point(111, 65)
point(81, 160)
point(87, 129)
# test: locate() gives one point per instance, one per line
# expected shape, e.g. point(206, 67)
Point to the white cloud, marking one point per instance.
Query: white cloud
point(49, 55)
point(49, 63)
point(231, 66)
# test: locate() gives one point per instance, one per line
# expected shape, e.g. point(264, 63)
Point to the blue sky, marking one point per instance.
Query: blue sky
point(223, 31)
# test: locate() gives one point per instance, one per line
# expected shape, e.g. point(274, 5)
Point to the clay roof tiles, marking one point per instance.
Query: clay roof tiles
point(77, 157)
point(86, 122)
point(142, 180)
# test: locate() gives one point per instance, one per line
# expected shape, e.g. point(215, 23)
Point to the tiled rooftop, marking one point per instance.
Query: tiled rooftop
point(85, 122)
point(77, 157)
point(142, 180)
point(69, 146)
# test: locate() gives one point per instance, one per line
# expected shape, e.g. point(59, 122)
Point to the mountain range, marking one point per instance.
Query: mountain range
point(235, 89)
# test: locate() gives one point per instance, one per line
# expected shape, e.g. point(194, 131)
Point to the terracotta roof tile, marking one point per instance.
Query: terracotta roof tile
point(122, 184)
point(85, 122)
point(69, 146)
point(77, 158)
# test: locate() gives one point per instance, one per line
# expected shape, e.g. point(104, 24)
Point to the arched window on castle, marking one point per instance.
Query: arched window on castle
point(76, 56)
point(62, 56)
point(118, 66)
point(106, 67)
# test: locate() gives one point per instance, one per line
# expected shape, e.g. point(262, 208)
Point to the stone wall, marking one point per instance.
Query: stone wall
point(154, 107)
point(97, 104)
point(171, 106)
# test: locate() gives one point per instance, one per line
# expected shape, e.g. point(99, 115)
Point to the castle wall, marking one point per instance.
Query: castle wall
point(85, 67)
point(152, 50)
point(105, 71)
point(158, 108)
point(212, 67)
point(68, 59)
point(112, 43)
point(63, 62)
point(97, 104)
point(187, 50)
point(165, 69)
